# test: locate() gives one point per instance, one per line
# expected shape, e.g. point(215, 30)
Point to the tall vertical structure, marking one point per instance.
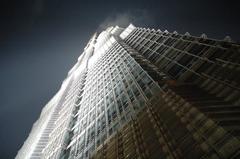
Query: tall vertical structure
point(144, 93)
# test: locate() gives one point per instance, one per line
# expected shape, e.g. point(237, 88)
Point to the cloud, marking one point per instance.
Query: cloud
point(137, 17)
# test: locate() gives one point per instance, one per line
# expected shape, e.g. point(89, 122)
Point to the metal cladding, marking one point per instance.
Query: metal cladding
point(144, 93)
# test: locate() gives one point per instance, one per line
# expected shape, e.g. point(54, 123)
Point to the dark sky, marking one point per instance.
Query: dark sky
point(40, 40)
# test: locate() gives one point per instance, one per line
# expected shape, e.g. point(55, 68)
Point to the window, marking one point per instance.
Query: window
point(148, 93)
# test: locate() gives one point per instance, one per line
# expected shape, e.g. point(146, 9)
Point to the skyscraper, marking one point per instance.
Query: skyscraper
point(144, 93)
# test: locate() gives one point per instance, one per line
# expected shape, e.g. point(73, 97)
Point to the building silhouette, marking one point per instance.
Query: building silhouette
point(145, 94)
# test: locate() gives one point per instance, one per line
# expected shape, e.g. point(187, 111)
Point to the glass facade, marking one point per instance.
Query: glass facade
point(144, 93)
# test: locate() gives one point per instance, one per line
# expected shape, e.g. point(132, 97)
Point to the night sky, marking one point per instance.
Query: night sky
point(40, 40)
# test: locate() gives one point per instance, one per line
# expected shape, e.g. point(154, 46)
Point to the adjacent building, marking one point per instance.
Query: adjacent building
point(144, 93)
